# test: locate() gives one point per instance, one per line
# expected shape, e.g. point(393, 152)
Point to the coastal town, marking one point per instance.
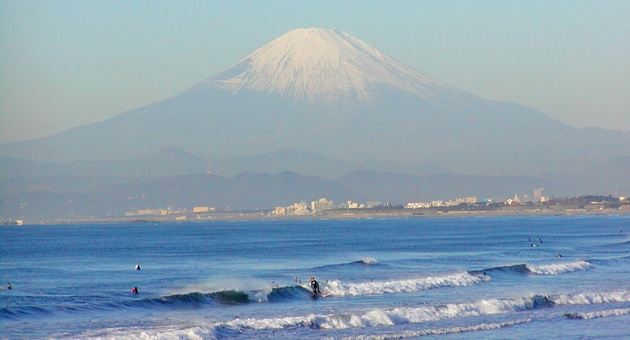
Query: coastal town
point(461, 206)
point(323, 208)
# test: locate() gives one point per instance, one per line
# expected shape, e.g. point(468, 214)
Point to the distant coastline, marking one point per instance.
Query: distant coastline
point(513, 211)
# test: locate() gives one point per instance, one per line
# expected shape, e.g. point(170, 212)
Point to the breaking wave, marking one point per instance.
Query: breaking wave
point(398, 316)
point(441, 331)
point(591, 298)
point(549, 269)
point(337, 288)
point(598, 314)
point(555, 269)
point(302, 292)
point(388, 317)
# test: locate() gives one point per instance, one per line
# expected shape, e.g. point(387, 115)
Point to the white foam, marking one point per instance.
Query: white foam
point(370, 260)
point(166, 332)
point(555, 269)
point(440, 331)
point(397, 316)
point(388, 317)
point(591, 298)
point(383, 317)
point(336, 288)
point(601, 314)
point(269, 323)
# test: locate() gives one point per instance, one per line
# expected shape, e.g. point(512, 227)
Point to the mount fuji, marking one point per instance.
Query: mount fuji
point(324, 91)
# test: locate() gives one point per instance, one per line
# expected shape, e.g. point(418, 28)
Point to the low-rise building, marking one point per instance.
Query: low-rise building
point(298, 209)
point(417, 205)
point(202, 209)
point(279, 211)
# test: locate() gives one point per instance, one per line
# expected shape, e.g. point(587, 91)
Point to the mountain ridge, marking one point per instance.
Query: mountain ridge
point(228, 117)
point(60, 196)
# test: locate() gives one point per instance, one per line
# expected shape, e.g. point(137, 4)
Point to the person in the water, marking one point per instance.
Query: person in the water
point(134, 290)
point(315, 286)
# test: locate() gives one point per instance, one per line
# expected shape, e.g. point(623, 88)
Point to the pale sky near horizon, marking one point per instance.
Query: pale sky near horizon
point(68, 63)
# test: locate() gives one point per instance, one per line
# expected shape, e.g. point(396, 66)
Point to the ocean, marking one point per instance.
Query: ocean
point(447, 278)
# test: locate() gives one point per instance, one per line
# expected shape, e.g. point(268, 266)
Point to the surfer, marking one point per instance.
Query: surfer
point(134, 290)
point(315, 286)
point(9, 286)
point(137, 267)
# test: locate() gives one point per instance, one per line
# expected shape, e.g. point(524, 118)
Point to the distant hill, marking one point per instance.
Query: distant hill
point(64, 196)
point(246, 191)
point(165, 162)
point(171, 161)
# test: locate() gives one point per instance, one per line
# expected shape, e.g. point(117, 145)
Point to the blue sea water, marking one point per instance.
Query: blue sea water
point(490, 278)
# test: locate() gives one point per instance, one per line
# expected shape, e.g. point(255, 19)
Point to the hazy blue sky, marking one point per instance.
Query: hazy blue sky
point(69, 63)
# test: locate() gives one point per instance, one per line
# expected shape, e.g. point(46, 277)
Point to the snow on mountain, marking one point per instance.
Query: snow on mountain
point(317, 64)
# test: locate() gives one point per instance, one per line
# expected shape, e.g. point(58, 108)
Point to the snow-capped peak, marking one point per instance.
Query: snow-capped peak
point(318, 64)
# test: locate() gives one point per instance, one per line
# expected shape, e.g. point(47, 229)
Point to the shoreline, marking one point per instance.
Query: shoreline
point(517, 211)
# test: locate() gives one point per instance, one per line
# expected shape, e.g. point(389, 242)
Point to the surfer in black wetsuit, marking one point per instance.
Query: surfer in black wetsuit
point(315, 286)
point(134, 290)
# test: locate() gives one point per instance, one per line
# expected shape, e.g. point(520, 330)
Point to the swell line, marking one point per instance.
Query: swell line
point(397, 316)
point(547, 269)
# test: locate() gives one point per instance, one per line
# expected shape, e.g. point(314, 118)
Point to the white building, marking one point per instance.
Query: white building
point(437, 203)
point(298, 209)
point(417, 205)
point(321, 205)
point(279, 211)
point(202, 209)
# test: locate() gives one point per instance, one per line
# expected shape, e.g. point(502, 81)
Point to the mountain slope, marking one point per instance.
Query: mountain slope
point(321, 90)
point(324, 65)
point(165, 162)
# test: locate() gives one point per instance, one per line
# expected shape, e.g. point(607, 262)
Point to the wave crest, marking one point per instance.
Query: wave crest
point(337, 288)
point(555, 269)
point(397, 316)
point(599, 314)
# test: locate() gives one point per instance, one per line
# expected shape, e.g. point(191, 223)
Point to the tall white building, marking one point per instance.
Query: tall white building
point(321, 205)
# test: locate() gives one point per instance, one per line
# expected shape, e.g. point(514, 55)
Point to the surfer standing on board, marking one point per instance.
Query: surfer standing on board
point(315, 286)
